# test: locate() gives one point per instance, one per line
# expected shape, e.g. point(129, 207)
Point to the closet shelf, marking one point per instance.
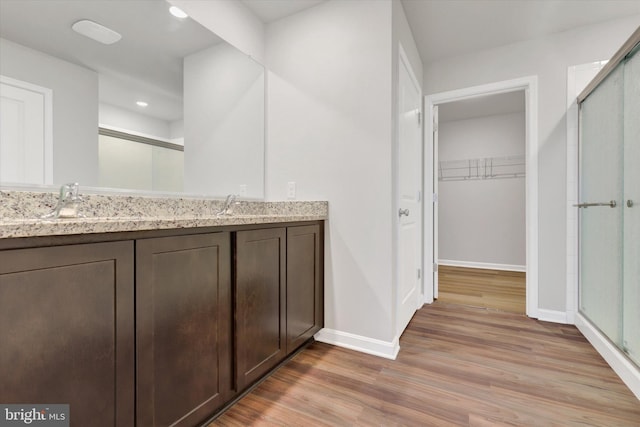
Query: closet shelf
point(484, 168)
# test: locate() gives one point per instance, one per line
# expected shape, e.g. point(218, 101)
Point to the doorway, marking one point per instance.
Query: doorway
point(480, 168)
point(481, 202)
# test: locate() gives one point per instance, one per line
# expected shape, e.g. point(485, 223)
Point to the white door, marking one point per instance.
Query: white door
point(25, 133)
point(409, 213)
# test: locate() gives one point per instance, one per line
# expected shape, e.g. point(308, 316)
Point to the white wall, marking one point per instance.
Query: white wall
point(329, 130)
point(136, 166)
point(176, 131)
point(168, 170)
point(125, 164)
point(127, 120)
point(75, 108)
point(232, 21)
point(224, 122)
point(482, 221)
point(548, 58)
point(489, 136)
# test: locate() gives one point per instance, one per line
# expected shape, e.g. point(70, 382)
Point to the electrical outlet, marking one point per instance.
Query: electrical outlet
point(291, 190)
point(243, 190)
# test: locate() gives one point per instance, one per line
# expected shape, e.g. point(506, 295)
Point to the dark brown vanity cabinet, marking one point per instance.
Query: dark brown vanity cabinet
point(155, 328)
point(183, 328)
point(67, 330)
point(305, 297)
point(260, 311)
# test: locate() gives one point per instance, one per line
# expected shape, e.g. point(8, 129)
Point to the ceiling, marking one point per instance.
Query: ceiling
point(455, 27)
point(272, 10)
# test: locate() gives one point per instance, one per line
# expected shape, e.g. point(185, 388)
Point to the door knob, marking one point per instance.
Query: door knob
point(404, 212)
point(629, 203)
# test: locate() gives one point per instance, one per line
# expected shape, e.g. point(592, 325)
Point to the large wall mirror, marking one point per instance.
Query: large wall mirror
point(144, 101)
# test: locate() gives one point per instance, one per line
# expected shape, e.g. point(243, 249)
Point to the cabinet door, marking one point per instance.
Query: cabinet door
point(183, 324)
point(260, 302)
point(305, 299)
point(67, 330)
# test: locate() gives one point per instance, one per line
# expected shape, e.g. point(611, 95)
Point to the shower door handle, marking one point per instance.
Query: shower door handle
point(611, 204)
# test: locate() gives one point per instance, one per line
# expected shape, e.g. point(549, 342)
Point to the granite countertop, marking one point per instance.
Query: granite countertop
point(19, 213)
point(38, 227)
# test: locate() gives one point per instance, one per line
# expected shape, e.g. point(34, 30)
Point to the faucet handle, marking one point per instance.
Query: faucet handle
point(75, 192)
point(70, 192)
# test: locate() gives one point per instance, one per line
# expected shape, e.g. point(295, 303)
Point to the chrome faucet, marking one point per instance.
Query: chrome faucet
point(68, 202)
point(227, 208)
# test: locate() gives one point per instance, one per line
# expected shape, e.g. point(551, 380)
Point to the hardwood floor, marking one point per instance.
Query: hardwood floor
point(496, 289)
point(458, 366)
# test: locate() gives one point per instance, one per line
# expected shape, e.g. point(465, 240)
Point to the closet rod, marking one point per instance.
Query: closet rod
point(617, 58)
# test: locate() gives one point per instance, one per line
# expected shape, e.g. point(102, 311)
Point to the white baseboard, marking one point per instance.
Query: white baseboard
point(483, 265)
point(626, 370)
point(552, 316)
point(386, 349)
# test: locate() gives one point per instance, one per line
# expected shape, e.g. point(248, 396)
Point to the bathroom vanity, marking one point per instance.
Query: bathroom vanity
point(156, 321)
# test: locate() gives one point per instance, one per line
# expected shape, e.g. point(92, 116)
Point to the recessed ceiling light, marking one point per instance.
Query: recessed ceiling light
point(141, 103)
point(95, 31)
point(177, 12)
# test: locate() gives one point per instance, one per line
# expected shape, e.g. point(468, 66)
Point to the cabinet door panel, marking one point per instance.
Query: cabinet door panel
point(67, 330)
point(260, 302)
point(304, 284)
point(183, 328)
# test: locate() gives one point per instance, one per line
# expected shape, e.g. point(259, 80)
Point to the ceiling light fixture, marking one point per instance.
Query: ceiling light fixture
point(177, 12)
point(95, 31)
point(141, 103)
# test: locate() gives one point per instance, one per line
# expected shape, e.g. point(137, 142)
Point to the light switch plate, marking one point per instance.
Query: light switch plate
point(243, 190)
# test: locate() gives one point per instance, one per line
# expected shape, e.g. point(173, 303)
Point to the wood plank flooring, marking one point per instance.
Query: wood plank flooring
point(496, 289)
point(458, 366)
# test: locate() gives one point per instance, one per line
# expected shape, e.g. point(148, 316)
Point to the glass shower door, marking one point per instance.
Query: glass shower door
point(601, 195)
point(631, 209)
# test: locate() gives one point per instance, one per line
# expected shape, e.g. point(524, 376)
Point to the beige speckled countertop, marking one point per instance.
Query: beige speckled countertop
point(19, 213)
